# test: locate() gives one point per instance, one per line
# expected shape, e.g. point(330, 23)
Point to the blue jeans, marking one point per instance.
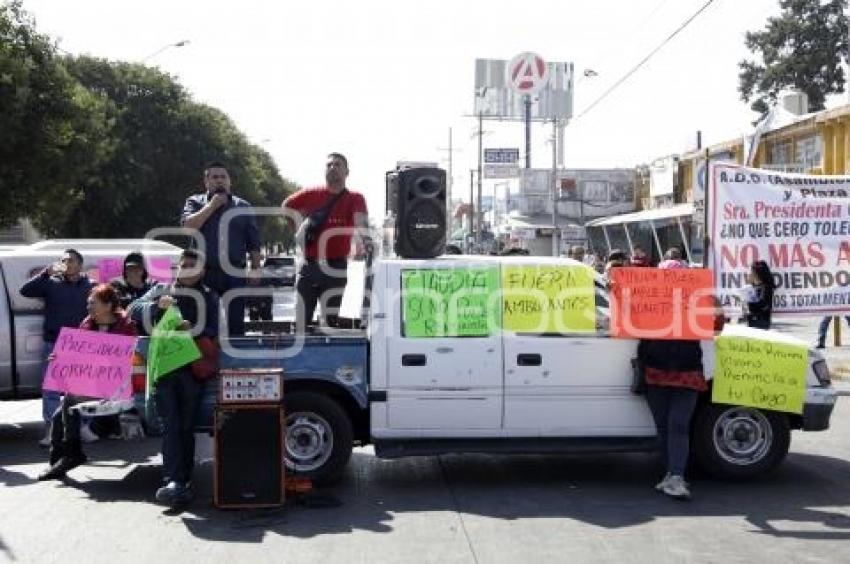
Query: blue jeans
point(177, 398)
point(672, 409)
point(49, 399)
point(824, 327)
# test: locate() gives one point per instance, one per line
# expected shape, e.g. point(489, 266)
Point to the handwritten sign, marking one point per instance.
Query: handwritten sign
point(759, 373)
point(457, 302)
point(548, 299)
point(109, 269)
point(652, 303)
point(91, 364)
point(169, 349)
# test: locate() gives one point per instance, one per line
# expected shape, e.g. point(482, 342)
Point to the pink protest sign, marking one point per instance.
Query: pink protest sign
point(159, 269)
point(92, 364)
point(109, 268)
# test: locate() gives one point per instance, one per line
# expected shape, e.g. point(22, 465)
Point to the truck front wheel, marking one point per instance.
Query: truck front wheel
point(319, 436)
point(739, 442)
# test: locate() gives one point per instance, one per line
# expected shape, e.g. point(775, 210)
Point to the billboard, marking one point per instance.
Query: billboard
point(494, 97)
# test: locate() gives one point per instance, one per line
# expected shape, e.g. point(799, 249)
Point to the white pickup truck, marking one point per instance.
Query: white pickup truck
point(508, 392)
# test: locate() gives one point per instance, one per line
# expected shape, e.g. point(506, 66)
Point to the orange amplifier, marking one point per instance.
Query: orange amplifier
point(250, 385)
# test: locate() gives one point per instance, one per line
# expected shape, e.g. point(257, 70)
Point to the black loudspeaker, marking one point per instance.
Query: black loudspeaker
point(248, 456)
point(416, 198)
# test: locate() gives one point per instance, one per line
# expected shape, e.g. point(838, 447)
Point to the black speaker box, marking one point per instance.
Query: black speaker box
point(416, 197)
point(248, 456)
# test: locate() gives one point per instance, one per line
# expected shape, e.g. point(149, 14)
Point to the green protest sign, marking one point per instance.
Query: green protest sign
point(450, 302)
point(169, 349)
point(761, 374)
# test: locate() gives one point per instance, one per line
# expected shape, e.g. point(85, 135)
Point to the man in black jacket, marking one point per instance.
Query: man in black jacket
point(64, 289)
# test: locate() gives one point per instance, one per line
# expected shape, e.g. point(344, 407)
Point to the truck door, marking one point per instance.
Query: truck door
point(573, 382)
point(444, 357)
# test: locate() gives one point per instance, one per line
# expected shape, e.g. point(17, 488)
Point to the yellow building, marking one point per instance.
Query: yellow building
point(790, 139)
point(809, 143)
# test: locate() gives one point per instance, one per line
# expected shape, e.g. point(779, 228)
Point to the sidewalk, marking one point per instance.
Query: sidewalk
point(837, 358)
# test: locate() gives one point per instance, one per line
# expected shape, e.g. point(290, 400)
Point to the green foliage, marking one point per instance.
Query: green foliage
point(111, 149)
point(801, 49)
point(53, 129)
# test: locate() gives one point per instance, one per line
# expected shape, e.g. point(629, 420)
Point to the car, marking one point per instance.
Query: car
point(279, 270)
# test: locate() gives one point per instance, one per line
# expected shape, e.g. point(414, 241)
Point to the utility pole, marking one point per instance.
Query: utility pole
point(471, 205)
point(555, 232)
point(449, 186)
point(480, 176)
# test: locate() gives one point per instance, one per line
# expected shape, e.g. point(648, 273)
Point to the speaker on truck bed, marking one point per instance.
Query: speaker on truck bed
point(248, 456)
point(416, 198)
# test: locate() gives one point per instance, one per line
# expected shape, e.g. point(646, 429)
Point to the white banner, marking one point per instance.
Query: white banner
point(798, 223)
point(661, 177)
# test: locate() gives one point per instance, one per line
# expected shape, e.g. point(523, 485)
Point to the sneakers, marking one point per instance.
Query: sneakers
point(87, 435)
point(660, 485)
point(174, 493)
point(675, 487)
point(64, 465)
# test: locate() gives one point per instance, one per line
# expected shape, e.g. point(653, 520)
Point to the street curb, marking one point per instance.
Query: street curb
point(842, 388)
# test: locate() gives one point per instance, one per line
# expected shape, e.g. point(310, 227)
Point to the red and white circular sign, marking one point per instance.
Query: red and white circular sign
point(527, 73)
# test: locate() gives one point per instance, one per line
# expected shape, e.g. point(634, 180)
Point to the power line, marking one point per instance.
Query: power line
point(598, 63)
point(645, 59)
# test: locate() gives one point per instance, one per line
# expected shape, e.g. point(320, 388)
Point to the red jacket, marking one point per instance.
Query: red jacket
point(123, 325)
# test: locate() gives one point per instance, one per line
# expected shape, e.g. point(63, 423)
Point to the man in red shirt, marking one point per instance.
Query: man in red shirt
point(328, 216)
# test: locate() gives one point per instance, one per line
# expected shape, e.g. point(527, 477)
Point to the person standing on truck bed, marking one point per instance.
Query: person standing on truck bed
point(66, 449)
point(134, 283)
point(64, 289)
point(331, 214)
point(178, 393)
point(222, 249)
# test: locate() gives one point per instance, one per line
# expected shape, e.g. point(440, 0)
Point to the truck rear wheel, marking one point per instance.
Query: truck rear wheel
point(739, 442)
point(318, 436)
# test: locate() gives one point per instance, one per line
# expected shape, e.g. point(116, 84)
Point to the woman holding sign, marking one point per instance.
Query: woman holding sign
point(66, 449)
point(674, 380)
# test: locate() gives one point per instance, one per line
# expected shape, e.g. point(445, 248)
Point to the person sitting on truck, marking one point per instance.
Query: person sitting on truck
point(64, 288)
point(674, 379)
point(331, 213)
point(66, 452)
point(178, 393)
point(134, 283)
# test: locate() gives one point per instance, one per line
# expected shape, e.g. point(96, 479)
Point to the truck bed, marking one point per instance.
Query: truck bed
point(339, 359)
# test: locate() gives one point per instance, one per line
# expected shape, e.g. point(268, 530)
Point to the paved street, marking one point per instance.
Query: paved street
point(434, 509)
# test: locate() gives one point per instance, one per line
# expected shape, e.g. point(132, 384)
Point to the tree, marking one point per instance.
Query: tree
point(801, 49)
point(53, 129)
point(162, 141)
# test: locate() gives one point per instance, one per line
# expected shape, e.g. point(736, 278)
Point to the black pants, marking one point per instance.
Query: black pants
point(222, 282)
point(320, 281)
point(672, 410)
point(65, 429)
point(177, 398)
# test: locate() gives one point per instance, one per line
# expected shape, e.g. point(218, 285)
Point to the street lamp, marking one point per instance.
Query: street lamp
point(181, 43)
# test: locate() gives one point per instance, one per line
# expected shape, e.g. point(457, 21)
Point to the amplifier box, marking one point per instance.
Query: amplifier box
point(249, 468)
point(250, 385)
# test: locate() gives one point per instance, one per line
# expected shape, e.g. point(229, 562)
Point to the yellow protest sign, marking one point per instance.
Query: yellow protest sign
point(548, 299)
point(758, 373)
